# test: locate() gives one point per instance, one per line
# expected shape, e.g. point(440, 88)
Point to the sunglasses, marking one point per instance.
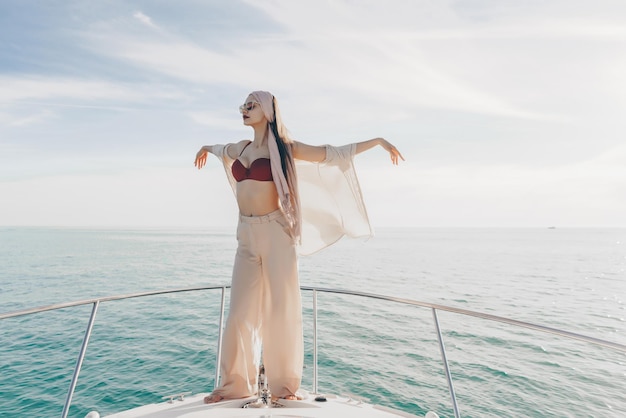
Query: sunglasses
point(248, 106)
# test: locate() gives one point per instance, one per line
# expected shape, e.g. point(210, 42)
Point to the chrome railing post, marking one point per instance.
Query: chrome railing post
point(79, 361)
point(444, 358)
point(314, 341)
point(218, 360)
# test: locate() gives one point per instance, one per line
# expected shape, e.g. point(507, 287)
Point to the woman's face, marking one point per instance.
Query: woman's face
point(252, 112)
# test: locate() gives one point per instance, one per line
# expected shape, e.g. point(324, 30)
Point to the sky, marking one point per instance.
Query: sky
point(508, 113)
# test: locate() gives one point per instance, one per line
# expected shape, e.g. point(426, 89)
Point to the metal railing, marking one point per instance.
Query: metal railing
point(434, 308)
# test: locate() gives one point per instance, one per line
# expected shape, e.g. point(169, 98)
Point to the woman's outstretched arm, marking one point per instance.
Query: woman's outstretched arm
point(232, 150)
point(312, 153)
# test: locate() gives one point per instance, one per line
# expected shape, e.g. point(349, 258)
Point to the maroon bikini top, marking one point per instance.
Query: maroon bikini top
point(259, 170)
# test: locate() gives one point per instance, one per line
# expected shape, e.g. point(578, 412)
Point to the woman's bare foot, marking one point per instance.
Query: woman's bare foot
point(213, 398)
point(292, 398)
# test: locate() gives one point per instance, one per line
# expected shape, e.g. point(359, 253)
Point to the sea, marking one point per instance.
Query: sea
point(142, 349)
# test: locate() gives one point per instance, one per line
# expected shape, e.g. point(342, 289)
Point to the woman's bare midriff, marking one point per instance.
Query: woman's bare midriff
point(256, 198)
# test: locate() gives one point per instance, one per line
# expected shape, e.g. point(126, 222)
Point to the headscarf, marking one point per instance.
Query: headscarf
point(286, 181)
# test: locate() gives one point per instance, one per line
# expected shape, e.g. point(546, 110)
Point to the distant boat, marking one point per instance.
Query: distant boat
point(552, 227)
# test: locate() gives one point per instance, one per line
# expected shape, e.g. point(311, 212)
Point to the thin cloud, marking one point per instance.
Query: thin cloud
point(31, 119)
point(16, 88)
point(146, 20)
point(610, 159)
point(380, 69)
point(179, 59)
point(405, 48)
point(551, 30)
point(214, 120)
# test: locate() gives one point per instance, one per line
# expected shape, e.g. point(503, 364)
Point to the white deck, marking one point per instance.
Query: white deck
point(193, 407)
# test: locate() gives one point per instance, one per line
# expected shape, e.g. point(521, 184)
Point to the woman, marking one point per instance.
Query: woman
point(265, 302)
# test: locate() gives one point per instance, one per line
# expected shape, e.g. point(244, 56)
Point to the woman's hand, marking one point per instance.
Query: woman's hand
point(201, 157)
point(393, 151)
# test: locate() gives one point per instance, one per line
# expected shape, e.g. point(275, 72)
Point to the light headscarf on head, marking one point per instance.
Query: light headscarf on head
point(283, 166)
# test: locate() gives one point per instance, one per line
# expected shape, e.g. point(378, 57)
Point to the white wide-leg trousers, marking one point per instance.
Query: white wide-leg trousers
point(265, 311)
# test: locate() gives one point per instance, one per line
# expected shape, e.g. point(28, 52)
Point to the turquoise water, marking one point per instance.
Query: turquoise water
point(143, 349)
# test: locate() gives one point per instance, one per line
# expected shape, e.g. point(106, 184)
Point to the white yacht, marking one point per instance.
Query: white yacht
point(314, 403)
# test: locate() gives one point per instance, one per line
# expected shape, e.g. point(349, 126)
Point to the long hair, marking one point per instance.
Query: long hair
point(282, 162)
